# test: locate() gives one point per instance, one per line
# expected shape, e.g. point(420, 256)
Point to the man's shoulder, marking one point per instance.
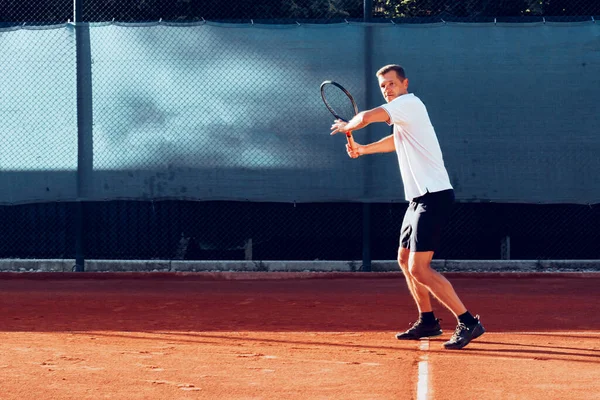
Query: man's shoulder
point(404, 101)
point(411, 97)
point(407, 99)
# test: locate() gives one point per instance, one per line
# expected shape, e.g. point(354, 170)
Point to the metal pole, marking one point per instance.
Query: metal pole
point(366, 207)
point(368, 10)
point(84, 128)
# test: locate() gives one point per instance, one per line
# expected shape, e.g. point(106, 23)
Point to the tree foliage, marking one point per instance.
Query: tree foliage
point(189, 10)
point(485, 8)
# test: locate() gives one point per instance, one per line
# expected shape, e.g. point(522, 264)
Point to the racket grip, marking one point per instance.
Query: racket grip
point(350, 140)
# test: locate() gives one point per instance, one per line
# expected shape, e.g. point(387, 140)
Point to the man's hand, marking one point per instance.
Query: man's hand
point(338, 126)
point(358, 150)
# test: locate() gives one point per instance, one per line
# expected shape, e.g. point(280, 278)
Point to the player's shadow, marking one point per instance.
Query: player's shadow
point(224, 339)
point(544, 346)
point(526, 351)
point(565, 335)
point(529, 354)
point(518, 351)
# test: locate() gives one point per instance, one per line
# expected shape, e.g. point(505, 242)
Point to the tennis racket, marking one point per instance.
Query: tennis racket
point(340, 103)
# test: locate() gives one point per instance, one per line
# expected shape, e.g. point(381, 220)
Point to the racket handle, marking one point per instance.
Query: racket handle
point(350, 141)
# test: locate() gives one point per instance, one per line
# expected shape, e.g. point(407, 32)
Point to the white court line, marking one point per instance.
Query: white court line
point(423, 380)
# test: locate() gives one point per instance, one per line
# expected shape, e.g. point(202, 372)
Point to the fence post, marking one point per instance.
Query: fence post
point(368, 10)
point(84, 128)
point(505, 248)
point(366, 207)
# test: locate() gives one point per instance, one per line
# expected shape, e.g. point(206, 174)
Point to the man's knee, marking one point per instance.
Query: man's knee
point(421, 272)
point(403, 259)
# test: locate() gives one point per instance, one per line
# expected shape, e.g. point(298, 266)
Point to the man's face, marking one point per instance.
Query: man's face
point(391, 86)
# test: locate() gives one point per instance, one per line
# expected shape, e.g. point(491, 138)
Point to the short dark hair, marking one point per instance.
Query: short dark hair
point(392, 67)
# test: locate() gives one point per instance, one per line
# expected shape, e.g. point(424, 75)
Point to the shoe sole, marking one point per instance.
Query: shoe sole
point(420, 337)
point(476, 334)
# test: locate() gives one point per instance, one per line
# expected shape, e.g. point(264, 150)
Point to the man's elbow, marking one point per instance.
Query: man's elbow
point(362, 118)
point(375, 115)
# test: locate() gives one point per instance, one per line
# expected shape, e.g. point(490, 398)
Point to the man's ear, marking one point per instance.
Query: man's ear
point(405, 83)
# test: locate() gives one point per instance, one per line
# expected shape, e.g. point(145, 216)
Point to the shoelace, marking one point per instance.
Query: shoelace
point(459, 328)
point(415, 324)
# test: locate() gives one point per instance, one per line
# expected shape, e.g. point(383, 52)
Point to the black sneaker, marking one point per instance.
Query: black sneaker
point(420, 330)
point(464, 334)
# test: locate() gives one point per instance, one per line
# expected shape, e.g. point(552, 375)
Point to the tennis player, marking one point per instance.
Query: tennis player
point(427, 187)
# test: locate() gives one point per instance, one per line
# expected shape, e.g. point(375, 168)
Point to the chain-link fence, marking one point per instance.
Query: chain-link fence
point(185, 230)
point(322, 11)
point(139, 117)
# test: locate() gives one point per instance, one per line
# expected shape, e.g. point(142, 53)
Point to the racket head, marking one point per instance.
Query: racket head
point(338, 100)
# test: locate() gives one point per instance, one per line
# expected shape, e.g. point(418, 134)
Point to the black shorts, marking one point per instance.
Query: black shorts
point(424, 219)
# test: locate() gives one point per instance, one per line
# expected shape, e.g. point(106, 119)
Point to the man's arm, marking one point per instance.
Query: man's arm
point(360, 120)
point(385, 145)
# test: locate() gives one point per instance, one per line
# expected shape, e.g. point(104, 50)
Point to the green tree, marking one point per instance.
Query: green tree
point(571, 7)
point(59, 11)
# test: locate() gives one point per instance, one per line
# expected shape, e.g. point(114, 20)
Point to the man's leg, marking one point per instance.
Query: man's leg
point(469, 327)
point(426, 325)
point(421, 233)
point(419, 268)
point(419, 292)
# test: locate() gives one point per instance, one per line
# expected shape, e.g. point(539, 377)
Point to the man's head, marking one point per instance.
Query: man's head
point(392, 82)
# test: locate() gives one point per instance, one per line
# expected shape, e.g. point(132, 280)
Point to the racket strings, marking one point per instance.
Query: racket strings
point(339, 103)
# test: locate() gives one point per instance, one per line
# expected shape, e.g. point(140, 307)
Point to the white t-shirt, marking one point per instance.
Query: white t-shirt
point(419, 154)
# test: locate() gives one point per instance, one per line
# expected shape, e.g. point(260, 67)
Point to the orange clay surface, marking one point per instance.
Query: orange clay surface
point(292, 336)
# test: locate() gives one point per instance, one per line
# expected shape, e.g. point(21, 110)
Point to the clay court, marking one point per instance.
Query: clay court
point(291, 336)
